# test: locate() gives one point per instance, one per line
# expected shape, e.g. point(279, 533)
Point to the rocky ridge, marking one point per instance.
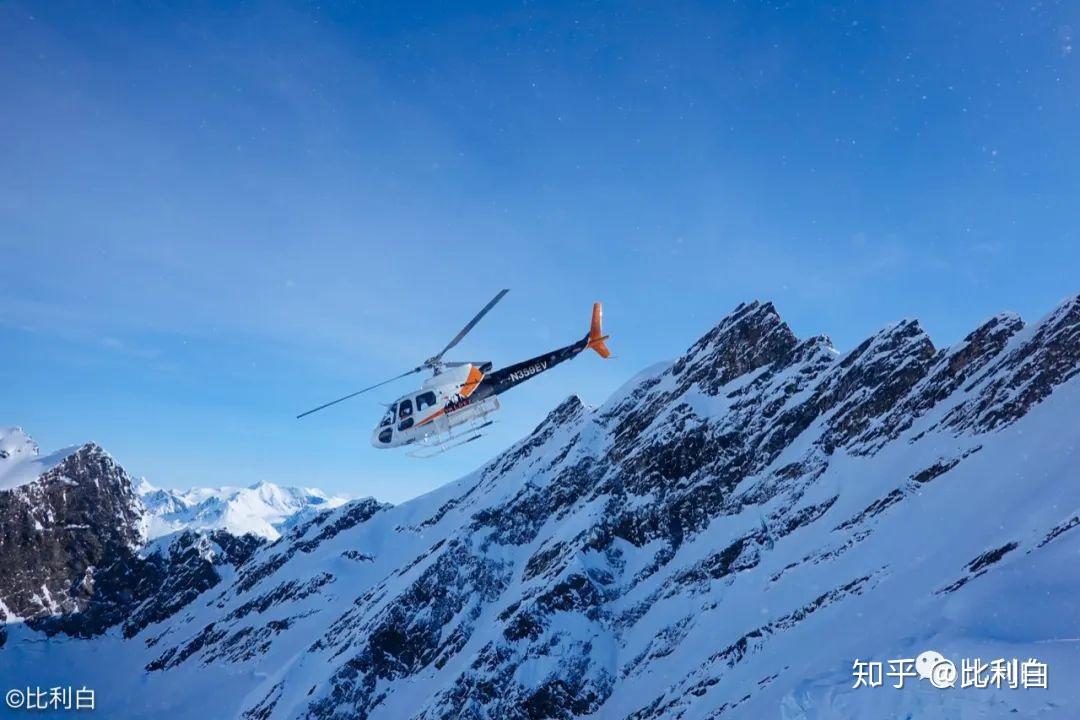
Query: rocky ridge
point(700, 546)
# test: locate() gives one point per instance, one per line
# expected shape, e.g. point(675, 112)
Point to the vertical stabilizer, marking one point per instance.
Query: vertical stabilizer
point(596, 333)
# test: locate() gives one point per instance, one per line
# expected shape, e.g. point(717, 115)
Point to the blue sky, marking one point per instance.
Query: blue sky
point(213, 215)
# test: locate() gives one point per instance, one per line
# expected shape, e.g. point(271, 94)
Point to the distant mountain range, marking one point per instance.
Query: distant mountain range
point(263, 509)
point(723, 538)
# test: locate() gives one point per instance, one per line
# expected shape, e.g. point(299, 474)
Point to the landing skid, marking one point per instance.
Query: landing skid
point(439, 444)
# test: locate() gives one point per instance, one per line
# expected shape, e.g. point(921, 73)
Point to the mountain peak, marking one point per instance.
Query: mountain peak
point(750, 336)
point(1064, 319)
point(1033, 362)
point(75, 509)
point(894, 340)
point(21, 461)
point(568, 409)
point(15, 441)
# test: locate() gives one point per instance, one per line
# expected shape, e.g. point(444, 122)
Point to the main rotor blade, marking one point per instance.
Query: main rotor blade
point(472, 323)
point(358, 392)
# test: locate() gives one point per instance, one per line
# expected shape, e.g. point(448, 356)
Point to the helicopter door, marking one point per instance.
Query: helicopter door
point(405, 414)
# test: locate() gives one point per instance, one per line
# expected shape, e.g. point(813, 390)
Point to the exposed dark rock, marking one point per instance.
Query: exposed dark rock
point(514, 594)
point(409, 634)
point(57, 531)
point(139, 591)
point(1059, 530)
point(1024, 376)
point(979, 565)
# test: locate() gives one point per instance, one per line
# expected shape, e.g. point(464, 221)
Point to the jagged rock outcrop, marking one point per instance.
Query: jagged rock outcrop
point(134, 591)
point(73, 554)
point(55, 531)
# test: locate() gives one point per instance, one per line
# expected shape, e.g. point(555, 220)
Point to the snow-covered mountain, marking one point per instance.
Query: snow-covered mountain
point(722, 538)
point(61, 517)
point(263, 509)
point(66, 517)
point(21, 461)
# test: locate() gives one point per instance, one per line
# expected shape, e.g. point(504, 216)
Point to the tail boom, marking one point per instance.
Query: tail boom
point(501, 380)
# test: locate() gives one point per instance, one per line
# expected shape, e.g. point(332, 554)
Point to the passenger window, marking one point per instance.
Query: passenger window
point(425, 400)
point(404, 409)
point(406, 424)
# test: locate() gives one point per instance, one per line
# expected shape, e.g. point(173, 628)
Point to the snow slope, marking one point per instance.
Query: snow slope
point(20, 460)
point(721, 539)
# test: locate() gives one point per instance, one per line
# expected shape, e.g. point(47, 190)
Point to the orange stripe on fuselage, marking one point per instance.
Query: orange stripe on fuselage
point(467, 388)
point(431, 417)
point(471, 382)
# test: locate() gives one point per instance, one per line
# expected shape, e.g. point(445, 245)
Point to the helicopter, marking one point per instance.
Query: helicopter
point(454, 404)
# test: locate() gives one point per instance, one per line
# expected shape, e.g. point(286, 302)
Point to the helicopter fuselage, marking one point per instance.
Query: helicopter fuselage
point(460, 395)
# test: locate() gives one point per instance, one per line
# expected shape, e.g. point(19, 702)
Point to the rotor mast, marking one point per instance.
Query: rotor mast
point(435, 363)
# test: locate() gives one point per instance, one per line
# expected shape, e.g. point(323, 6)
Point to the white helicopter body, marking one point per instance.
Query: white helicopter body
point(453, 405)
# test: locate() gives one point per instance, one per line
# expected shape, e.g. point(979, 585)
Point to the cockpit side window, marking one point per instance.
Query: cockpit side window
point(425, 400)
point(404, 412)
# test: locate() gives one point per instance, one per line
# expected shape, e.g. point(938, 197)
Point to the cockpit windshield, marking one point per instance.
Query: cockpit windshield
point(388, 418)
